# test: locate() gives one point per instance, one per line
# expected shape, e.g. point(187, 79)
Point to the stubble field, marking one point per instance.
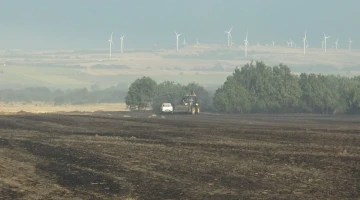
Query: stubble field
point(206, 64)
point(137, 155)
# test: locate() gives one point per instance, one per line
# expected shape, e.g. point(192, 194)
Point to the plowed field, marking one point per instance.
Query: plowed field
point(135, 155)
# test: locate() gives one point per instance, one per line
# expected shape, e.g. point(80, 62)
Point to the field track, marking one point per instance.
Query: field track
point(138, 155)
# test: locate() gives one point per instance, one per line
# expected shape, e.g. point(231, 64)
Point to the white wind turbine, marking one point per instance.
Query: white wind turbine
point(304, 40)
point(177, 40)
point(229, 36)
point(246, 43)
point(197, 41)
point(291, 43)
point(288, 43)
point(350, 44)
point(273, 43)
point(325, 38)
point(111, 43)
point(184, 42)
point(122, 41)
point(336, 43)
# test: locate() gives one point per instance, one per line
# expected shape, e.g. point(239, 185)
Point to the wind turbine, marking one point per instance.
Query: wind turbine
point(350, 44)
point(304, 40)
point(273, 43)
point(288, 43)
point(122, 40)
point(184, 43)
point(229, 36)
point(322, 44)
point(177, 40)
point(325, 38)
point(336, 43)
point(246, 44)
point(291, 43)
point(111, 42)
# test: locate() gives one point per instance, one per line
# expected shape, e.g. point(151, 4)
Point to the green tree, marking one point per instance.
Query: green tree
point(322, 94)
point(351, 93)
point(232, 98)
point(141, 93)
point(259, 88)
point(287, 91)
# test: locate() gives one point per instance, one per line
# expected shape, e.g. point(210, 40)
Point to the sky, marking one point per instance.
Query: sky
point(87, 24)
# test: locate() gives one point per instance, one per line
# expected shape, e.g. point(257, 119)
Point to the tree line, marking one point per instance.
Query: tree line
point(258, 88)
point(58, 97)
point(145, 93)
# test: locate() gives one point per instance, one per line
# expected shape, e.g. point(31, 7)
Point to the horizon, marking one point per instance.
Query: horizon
point(81, 24)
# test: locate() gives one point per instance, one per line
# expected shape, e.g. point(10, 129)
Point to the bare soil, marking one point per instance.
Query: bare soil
point(137, 155)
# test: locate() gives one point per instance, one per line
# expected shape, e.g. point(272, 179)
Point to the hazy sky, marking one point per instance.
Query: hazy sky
point(80, 24)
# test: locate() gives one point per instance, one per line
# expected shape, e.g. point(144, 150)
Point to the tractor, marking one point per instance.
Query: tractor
point(189, 104)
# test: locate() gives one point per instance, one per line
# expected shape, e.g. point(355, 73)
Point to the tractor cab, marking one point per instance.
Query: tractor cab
point(189, 104)
point(190, 99)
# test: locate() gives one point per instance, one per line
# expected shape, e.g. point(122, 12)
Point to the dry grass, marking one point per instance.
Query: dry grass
point(40, 107)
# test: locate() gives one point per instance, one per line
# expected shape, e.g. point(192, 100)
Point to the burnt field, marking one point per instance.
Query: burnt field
point(128, 155)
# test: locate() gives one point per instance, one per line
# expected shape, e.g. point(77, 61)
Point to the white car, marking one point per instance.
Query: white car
point(167, 108)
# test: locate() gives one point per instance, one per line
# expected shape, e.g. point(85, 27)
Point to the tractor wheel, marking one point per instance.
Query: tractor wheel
point(197, 110)
point(193, 111)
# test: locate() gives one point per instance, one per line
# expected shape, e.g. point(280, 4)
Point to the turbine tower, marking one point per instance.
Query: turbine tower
point(229, 36)
point(111, 43)
point(197, 41)
point(273, 43)
point(184, 43)
point(336, 43)
point(304, 40)
point(325, 38)
point(246, 43)
point(350, 44)
point(122, 40)
point(177, 40)
point(291, 43)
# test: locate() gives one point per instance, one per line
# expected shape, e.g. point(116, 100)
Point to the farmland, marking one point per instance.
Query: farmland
point(206, 64)
point(138, 155)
